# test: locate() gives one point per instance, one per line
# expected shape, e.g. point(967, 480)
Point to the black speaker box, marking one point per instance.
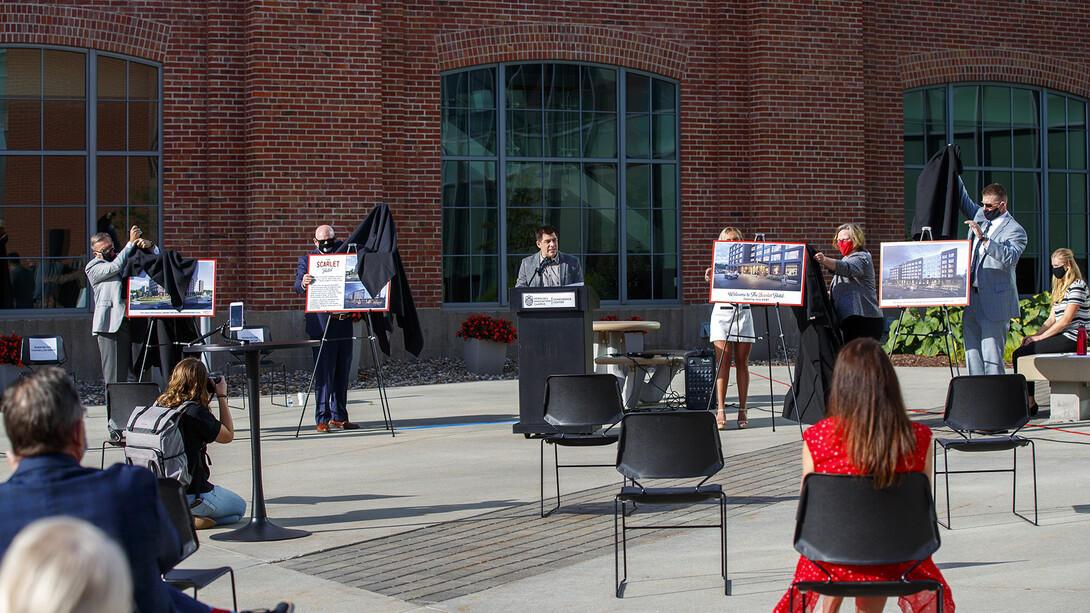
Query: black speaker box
point(699, 378)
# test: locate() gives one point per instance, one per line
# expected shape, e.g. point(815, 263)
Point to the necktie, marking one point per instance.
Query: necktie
point(978, 250)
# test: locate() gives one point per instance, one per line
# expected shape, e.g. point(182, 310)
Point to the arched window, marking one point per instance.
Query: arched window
point(1031, 140)
point(591, 150)
point(80, 152)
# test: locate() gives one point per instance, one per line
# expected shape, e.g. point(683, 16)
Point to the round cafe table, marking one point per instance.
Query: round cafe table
point(620, 337)
point(259, 528)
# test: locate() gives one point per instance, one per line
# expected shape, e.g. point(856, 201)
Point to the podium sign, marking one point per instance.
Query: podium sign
point(548, 300)
point(555, 338)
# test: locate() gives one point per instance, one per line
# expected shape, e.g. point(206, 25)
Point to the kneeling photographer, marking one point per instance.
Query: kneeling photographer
point(191, 386)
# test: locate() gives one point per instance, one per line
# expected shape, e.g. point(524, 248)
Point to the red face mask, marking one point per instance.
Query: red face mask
point(845, 247)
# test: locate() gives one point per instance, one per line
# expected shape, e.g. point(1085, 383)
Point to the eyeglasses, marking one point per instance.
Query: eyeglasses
point(991, 205)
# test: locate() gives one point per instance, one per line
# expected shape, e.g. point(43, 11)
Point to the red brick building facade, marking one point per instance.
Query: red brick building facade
point(279, 115)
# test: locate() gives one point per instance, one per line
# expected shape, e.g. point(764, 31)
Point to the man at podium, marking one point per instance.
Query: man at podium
point(549, 268)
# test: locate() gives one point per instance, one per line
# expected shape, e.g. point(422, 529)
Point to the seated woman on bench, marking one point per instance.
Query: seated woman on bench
point(1070, 309)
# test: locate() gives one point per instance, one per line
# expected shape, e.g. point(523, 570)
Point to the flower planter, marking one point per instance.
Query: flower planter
point(484, 357)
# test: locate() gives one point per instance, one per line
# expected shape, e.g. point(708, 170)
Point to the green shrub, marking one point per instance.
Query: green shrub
point(920, 321)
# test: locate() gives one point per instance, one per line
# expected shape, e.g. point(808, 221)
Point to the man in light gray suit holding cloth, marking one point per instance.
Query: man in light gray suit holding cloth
point(996, 243)
point(109, 324)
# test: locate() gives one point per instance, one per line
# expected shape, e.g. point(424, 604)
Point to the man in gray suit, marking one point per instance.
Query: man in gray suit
point(996, 243)
point(109, 324)
point(549, 267)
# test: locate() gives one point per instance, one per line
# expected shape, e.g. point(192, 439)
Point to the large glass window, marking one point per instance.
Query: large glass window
point(1030, 140)
point(591, 150)
point(79, 153)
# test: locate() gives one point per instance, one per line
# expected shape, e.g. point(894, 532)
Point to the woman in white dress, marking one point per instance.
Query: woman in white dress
point(732, 335)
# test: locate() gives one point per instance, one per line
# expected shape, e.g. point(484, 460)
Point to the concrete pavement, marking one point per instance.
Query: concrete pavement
point(444, 516)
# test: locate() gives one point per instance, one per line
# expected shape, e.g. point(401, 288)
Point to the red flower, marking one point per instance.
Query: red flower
point(10, 348)
point(487, 329)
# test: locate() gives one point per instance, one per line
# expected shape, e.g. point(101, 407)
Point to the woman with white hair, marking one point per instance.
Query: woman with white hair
point(64, 565)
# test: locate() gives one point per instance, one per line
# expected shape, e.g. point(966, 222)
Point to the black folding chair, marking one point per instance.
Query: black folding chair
point(121, 400)
point(843, 519)
point(583, 409)
point(172, 494)
point(43, 350)
point(976, 406)
point(667, 445)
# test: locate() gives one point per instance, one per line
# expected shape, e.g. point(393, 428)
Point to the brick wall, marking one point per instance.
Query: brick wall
point(280, 115)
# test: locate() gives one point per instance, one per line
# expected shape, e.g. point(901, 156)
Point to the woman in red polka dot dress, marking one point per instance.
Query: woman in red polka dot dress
point(867, 432)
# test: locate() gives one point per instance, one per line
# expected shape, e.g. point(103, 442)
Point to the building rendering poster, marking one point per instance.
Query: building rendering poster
point(924, 273)
point(337, 287)
point(149, 299)
point(758, 272)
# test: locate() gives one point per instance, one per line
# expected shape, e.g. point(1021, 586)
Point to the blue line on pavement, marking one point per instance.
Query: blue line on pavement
point(482, 423)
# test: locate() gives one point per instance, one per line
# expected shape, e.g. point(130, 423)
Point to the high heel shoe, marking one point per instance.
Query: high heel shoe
point(721, 420)
point(743, 421)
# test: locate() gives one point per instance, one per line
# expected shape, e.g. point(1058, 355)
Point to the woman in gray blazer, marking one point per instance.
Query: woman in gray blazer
point(854, 294)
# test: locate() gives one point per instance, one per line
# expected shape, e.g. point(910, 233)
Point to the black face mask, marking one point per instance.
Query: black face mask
point(327, 245)
point(1058, 272)
point(991, 214)
point(109, 255)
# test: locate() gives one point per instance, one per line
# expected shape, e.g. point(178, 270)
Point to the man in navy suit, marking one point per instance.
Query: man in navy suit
point(996, 243)
point(332, 359)
point(43, 417)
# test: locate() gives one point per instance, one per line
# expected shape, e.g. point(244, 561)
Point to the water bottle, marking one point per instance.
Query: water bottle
point(1080, 343)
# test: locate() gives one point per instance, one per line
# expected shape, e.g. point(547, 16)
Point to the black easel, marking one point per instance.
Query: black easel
point(384, 401)
point(947, 332)
point(714, 398)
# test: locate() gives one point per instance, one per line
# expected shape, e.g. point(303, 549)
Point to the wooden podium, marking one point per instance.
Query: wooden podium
point(555, 338)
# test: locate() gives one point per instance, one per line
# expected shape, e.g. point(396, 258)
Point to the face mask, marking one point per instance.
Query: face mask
point(1058, 272)
point(991, 214)
point(109, 254)
point(327, 245)
point(845, 247)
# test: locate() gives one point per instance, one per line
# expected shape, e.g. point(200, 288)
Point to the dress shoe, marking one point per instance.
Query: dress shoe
point(344, 425)
point(323, 427)
point(201, 522)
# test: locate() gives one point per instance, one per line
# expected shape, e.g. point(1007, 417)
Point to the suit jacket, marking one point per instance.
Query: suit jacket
point(569, 270)
point(852, 289)
point(122, 501)
point(998, 290)
point(108, 288)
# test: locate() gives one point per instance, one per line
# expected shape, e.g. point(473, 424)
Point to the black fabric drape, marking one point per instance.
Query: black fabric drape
point(167, 268)
point(937, 195)
point(379, 262)
point(819, 342)
point(173, 273)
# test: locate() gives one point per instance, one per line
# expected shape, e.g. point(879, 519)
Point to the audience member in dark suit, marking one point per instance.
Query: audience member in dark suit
point(43, 417)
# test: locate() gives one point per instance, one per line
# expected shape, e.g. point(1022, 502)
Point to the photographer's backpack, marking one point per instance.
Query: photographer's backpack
point(153, 440)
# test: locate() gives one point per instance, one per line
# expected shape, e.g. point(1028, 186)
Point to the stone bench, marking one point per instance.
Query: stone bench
point(1068, 375)
point(634, 370)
